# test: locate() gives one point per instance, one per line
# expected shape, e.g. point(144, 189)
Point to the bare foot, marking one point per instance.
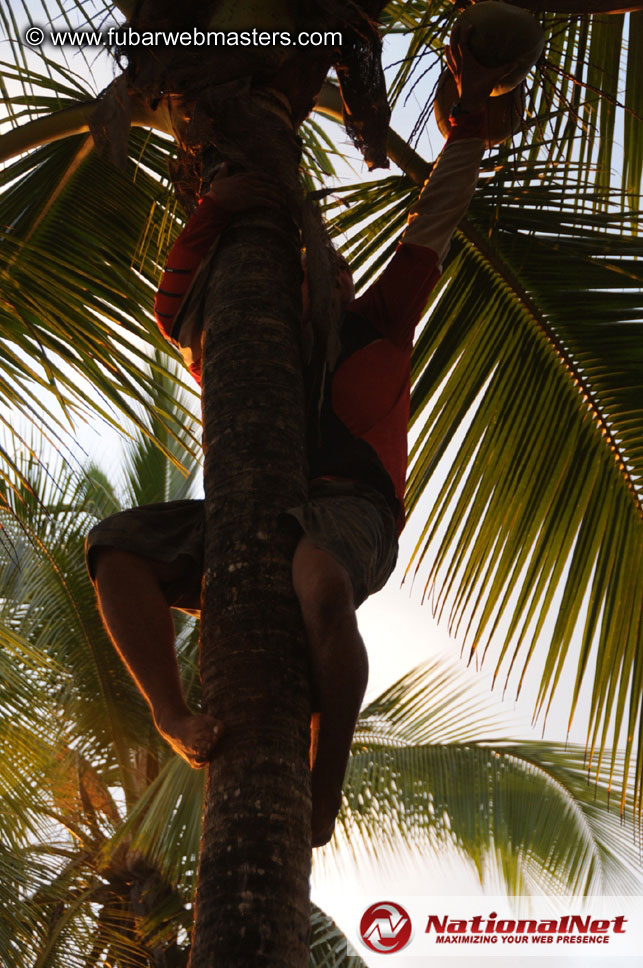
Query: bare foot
point(193, 736)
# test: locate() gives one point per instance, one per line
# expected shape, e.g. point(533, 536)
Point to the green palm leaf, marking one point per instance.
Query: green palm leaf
point(543, 481)
point(328, 946)
point(42, 568)
point(527, 404)
point(77, 281)
point(75, 727)
point(416, 776)
point(26, 736)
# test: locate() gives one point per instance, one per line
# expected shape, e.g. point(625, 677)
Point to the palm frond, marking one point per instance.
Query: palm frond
point(523, 811)
point(540, 502)
point(16, 16)
point(148, 474)
point(328, 945)
point(48, 600)
point(77, 282)
point(165, 824)
point(75, 729)
point(43, 570)
point(26, 733)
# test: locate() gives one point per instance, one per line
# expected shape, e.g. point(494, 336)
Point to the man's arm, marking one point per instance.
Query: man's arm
point(194, 242)
point(228, 195)
point(395, 302)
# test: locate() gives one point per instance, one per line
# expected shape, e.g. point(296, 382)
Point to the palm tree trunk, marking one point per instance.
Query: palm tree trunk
point(252, 904)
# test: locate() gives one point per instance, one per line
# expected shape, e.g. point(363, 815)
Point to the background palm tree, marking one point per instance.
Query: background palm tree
point(100, 820)
point(540, 514)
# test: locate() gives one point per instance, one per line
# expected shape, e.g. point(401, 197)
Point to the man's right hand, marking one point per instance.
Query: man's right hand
point(237, 193)
point(474, 81)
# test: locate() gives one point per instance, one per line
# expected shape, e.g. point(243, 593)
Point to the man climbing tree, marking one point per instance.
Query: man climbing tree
point(148, 560)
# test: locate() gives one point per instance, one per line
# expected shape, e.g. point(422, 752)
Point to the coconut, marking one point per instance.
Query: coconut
point(501, 34)
point(503, 113)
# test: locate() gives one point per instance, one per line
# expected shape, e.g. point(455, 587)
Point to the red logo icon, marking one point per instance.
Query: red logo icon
point(385, 927)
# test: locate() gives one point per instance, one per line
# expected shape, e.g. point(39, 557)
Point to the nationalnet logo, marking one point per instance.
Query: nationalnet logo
point(422, 927)
point(569, 929)
point(385, 927)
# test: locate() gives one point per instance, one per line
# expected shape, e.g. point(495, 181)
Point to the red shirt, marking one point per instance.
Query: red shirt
point(371, 388)
point(184, 259)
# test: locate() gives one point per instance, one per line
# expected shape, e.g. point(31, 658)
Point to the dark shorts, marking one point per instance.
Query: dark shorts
point(350, 521)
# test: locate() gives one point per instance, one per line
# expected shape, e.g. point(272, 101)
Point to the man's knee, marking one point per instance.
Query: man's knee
point(109, 565)
point(323, 587)
point(114, 563)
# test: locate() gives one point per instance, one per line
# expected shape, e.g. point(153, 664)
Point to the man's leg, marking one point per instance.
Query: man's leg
point(139, 622)
point(339, 667)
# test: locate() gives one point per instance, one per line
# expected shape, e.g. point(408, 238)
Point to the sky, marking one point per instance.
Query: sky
point(400, 632)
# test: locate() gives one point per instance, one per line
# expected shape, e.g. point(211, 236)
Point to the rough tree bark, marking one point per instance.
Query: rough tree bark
point(252, 904)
